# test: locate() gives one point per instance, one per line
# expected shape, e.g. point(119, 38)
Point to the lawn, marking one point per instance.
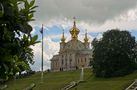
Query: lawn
point(117, 83)
point(52, 80)
point(57, 80)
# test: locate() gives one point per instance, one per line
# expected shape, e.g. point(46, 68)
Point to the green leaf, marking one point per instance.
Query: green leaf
point(26, 4)
point(33, 7)
point(1, 10)
point(34, 38)
point(30, 16)
point(5, 67)
point(32, 3)
point(32, 11)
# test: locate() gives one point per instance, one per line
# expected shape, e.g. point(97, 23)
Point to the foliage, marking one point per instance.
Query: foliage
point(15, 38)
point(114, 54)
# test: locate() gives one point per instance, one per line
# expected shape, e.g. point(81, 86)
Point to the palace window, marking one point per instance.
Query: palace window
point(70, 61)
point(81, 60)
point(62, 62)
point(85, 59)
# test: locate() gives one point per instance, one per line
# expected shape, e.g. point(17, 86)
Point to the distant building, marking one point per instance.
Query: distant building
point(73, 54)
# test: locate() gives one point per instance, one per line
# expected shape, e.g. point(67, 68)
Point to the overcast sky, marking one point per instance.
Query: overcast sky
point(96, 16)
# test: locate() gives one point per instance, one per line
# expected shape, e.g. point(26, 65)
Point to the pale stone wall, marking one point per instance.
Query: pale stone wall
point(71, 59)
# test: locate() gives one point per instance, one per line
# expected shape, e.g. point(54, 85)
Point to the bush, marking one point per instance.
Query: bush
point(114, 54)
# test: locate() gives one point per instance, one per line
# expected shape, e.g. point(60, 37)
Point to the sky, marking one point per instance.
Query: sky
point(95, 16)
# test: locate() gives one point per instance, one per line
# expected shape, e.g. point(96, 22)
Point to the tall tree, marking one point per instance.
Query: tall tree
point(15, 38)
point(114, 54)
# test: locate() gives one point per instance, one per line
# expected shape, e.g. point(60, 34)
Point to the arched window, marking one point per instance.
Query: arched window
point(66, 62)
point(62, 62)
point(70, 62)
point(85, 59)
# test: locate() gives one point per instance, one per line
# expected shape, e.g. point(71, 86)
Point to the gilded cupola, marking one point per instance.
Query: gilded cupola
point(74, 31)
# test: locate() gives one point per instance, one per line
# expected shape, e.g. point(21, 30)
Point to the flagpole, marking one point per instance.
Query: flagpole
point(42, 56)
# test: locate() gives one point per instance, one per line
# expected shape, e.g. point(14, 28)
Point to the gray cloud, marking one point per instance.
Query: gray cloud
point(87, 10)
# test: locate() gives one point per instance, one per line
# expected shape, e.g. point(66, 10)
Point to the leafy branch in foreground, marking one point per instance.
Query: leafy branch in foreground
point(15, 37)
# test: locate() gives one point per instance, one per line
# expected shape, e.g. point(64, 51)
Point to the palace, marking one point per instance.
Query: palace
point(73, 54)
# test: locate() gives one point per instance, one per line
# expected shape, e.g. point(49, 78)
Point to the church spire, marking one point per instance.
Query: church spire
point(86, 38)
point(74, 31)
point(63, 38)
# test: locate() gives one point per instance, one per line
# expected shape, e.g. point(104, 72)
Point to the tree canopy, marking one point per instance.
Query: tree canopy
point(15, 37)
point(114, 54)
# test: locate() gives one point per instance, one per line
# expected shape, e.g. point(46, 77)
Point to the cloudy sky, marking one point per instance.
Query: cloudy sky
point(97, 16)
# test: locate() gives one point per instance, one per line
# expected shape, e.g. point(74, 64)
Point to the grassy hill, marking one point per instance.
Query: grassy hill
point(57, 80)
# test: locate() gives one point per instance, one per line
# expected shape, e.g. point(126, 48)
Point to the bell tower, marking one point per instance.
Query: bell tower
point(62, 43)
point(86, 43)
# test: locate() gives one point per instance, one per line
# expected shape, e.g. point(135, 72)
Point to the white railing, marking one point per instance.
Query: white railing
point(128, 88)
point(70, 85)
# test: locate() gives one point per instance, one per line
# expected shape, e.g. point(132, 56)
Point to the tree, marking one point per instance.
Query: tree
point(114, 54)
point(15, 37)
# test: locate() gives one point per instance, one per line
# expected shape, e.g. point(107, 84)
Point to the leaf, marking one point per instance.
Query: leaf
point(32, 3)
point(33, 7)
point(1, 10)
point(32, 11)
point(37, 41)
point(5, 67)
point(34, 40)
point(30, 16)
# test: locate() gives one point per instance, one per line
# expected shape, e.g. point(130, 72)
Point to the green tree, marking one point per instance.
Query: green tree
point(114, 54)
point(15, 38)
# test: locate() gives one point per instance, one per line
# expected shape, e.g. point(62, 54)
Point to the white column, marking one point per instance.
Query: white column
point(68, 65)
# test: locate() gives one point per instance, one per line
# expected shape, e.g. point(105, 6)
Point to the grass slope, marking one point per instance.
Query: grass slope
point(57, 80)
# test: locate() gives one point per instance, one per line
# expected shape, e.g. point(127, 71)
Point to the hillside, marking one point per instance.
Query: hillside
point(57, 80)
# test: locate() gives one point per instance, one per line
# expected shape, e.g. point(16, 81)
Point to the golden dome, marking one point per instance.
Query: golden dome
point(74, 31)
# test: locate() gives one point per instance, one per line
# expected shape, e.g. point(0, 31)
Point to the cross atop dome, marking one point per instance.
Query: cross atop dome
point(74, 18)
point(74, 31)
